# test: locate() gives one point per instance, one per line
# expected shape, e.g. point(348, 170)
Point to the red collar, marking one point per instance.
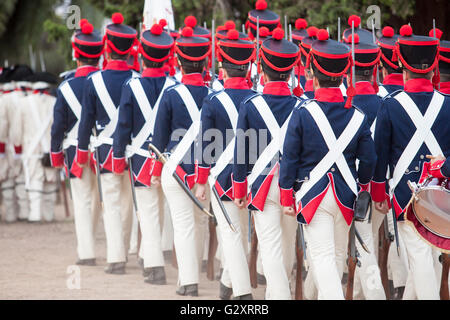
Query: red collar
point(118, 65)
point(277, 88)
point(329, 95)
point(84, 71)
point(309, 86)
point(394, 79)
point(444, 87)
point(236, 83)
point(419, 85)
point(302, 70)
point(193, 79)
point(364, 88)
point(153, 73)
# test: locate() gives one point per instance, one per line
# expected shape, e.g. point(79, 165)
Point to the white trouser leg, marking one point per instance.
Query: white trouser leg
point(235, 261)
point(35, 189)
point(134, 234)
point(117, 216)
point(310, 286)
point(167, 232)
point(189, 226)
point(97, 210)
point(49, 200)
point(326, 234)
point(22, 199)
point(82, 196)
point(410, 290)
point(421, 263)
point(398, 265)
point(151, 206)
point(9, 200)
point(272, 238)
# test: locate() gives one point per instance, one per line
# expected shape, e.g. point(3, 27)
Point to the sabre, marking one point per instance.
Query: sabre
point(397, 244)
point(302, 239)
point(255, 81)
point(161, 157)
point(97, 169)
point(133, 188)
point(222, 208)
point(361, 241)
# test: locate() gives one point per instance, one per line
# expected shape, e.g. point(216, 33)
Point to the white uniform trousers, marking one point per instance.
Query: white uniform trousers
point(327, 235)
point(117, 215)
point(276, 237)
point(83, 190)
point(368, 283)
point(234, 248)
point(421, 264)
point(9, 200)
point(397, 265)
point(150, 203)
point(189, 227)
point(167, 232)
point(134, 238)
point(21, 196)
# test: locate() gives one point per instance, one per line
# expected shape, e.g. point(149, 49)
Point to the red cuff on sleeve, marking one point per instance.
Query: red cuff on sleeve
point(157, 168)
point(119, 165)
point(18, 149)
point(239, 189)
point(82, 156)
point(286, 197)
point(378, 191)
point(202, 174)
point(435, 169)
point(364, 187)
point(57, 159)
point(2, 147)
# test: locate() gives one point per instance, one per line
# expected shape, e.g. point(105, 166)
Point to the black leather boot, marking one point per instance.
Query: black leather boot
point(188, 290)
point(157, 275)
point(225, 292)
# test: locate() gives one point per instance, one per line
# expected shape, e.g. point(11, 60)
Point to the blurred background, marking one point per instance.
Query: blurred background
point(37, 28)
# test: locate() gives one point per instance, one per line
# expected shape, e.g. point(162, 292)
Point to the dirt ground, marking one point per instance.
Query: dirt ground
point(36, 262)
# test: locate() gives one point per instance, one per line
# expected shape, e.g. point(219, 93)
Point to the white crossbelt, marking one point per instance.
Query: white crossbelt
point(422, 135)
point(185, 143)
point(382, 92)
point(343, 89)
point(217, 86)
point(275, 145)
point(74, 105)
point(149, 114)
point(227, 156)
point(336, 149)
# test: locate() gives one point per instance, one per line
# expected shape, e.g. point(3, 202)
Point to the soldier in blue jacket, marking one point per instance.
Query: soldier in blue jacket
point(410, 125)
point(176, 127)
point(100, 102)
point(88, 47)
point(319, 164)
point(219, 116)
point(261, 126)
point(139, 105)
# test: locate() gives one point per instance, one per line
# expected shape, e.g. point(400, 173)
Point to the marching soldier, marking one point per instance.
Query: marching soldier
point(444, 62)
point(176, 127)
point(261, 116)
point(390, 70)
point(298, 34)
point(321, 169)
point(100, 103)
point(414, 122)
point(305, 46)
point(220, 112)
point(88, 46)
point(139, 105)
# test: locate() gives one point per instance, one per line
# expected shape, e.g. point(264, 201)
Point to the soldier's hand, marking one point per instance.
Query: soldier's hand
point(382, 207)
point(435, 158)
point(241, 203)
point(156, 181)
point(289, 211)
point(200, 192)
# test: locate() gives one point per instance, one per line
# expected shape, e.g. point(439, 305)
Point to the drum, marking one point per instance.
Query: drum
point(429, 211)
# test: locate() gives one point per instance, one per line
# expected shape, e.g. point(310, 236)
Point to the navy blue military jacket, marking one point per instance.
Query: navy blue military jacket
point(367, 100)
point(114, 76)
point(394, 130)
point(214, 116)
point(172, 116)
point(391, 83)
point(64, 121)
point(304, 147)
point(132, 120)
point(281, 103)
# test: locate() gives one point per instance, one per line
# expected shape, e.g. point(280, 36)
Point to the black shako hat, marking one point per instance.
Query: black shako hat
point(190, 49)
point(158, 46)
point(387, 46)
point(87, 42)
point(191, 21)
point(306, 43)
point(222, 31)
point(119, 38)
point(331, 59)
point(267, 18)
point(300, 31)
point(235, 53)
point(20, 72)
point(364, 35)
point(444, 51)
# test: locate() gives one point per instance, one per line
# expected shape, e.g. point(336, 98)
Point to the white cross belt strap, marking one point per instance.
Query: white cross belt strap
point(275, 145)
point(422, 135)
point(226, 156)
point(336, 149)
point(217, 86)
point(149, 114)
point(185, 143)
point(75, 106)
point(382, 92)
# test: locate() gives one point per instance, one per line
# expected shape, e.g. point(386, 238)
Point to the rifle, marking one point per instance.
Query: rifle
point(256, 79)
point(352, 261)
point(300, 252)
point(384, 242)
point(445, 260)
point(253, 258)
point(212, 248)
